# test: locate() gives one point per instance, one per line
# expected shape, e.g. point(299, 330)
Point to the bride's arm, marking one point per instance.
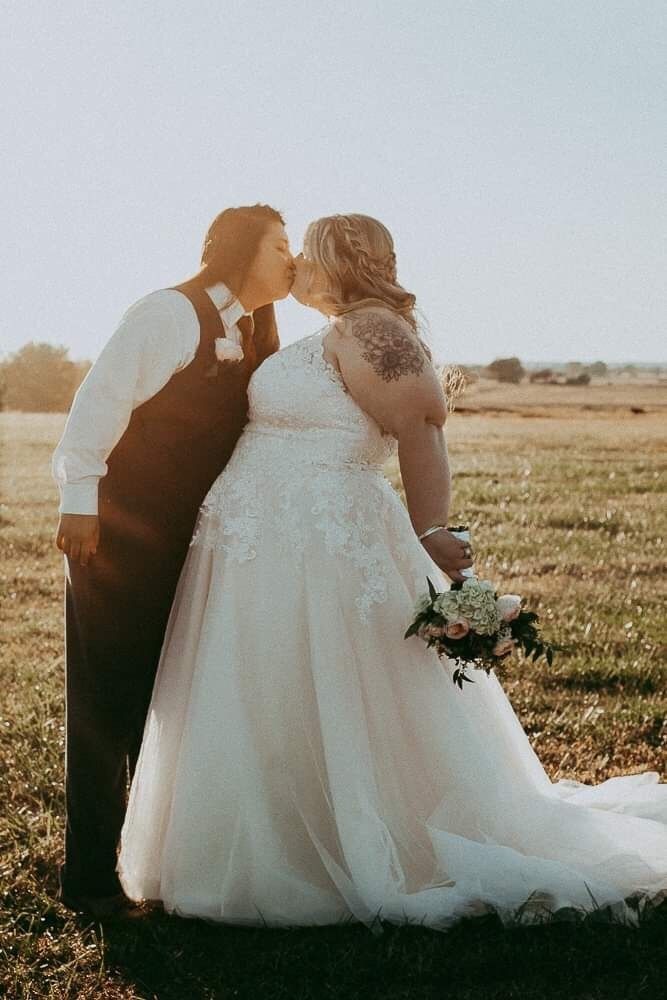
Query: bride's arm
point(390, 376)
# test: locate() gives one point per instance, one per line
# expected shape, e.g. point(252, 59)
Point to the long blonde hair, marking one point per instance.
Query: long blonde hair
point(356, 252)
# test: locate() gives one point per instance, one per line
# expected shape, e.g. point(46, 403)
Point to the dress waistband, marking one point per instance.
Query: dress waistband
point(314, 456)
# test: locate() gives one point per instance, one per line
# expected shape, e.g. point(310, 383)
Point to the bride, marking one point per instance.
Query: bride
point(304, 764)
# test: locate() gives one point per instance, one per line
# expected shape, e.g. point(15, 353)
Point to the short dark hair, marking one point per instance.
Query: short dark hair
point(230, 246)
point(232, 240)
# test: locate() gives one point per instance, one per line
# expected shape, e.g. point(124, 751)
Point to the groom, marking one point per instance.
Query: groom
point(151, 427)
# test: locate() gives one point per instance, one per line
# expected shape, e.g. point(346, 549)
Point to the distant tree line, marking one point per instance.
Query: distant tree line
point(573, 373)
point(40, 378)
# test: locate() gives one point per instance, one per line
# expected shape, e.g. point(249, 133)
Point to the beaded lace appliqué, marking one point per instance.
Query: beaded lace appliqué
point(307, 470)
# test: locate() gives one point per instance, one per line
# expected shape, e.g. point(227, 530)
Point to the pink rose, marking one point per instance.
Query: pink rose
point(503, 647)
point(432, 631)
point(228, 350)
point(457, 629)
point(508, 607)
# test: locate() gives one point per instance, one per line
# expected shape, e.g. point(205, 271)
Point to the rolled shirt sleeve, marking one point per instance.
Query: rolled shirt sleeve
point(157, 336)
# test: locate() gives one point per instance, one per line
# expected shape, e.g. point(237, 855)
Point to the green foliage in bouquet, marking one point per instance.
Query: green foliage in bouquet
point(481, 638)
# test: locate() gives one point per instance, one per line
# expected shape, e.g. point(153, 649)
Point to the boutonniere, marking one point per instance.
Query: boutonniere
point(226, 350)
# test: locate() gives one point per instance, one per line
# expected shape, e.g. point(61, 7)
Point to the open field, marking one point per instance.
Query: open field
point(606, 397)
point(566, 506)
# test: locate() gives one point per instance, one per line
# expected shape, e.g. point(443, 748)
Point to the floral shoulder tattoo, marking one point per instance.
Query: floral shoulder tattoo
point(388, 347)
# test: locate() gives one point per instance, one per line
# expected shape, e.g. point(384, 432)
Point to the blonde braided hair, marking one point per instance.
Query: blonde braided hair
point(356, 252)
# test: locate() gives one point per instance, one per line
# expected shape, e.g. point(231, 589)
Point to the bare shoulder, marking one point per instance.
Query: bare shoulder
point(384, 340)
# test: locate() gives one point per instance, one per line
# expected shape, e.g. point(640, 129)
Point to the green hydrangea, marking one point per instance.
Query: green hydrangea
point(477, 604)
point(447, 604)
point(474, 584)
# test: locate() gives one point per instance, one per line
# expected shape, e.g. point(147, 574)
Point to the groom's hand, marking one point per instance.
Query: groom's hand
point(78, 536)
point(448, 553)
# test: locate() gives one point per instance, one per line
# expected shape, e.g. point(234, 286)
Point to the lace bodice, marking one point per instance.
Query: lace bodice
point(309, 468)
point(299, 397)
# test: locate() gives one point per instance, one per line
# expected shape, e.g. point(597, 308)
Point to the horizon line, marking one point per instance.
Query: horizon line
point(529, 361)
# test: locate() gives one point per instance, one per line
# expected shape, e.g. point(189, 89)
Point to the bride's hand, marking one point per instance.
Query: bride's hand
point(448, 553)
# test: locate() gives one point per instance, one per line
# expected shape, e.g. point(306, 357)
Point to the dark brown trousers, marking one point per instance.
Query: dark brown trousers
point(116, 612)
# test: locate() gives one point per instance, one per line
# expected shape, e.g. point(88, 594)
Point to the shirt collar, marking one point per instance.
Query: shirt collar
point(229, 307)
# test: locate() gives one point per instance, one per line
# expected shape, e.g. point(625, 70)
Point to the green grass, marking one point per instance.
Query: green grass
point(565, 511)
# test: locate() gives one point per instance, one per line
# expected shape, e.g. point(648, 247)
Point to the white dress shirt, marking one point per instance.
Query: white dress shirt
point(157, 336)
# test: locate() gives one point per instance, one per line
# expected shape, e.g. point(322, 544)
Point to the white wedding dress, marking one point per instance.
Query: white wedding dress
point(304, 764)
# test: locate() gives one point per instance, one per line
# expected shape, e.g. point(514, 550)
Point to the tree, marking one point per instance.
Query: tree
point(598, 369)
point(40, 378)
point(506, 370)
point(544, 375)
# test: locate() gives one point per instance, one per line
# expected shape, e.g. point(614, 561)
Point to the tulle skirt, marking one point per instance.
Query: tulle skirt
point(303, 764)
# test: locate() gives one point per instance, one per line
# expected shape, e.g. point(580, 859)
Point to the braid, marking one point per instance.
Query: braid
point(363, 263)
point(357, 255)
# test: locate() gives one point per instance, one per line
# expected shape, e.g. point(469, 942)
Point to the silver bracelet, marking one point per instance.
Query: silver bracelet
point(432, 530)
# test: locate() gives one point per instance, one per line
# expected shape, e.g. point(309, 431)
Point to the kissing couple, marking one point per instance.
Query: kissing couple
point(239, 576)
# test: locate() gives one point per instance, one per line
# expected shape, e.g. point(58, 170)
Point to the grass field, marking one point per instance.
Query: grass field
point(566, 506)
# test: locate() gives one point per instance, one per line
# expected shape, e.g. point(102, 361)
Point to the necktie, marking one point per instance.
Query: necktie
point(246, 325)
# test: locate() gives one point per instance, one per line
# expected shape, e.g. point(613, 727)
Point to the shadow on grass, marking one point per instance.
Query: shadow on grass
point(177, 959)
point(609, 678)
point(48, 952)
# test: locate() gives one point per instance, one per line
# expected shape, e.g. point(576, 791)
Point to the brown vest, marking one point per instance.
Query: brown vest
point(178, 441)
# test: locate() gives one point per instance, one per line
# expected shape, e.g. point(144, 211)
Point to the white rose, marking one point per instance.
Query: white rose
point(508, 607)
point(227, 350)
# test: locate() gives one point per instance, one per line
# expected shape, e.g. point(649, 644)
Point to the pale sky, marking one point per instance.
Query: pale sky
point(516, 150)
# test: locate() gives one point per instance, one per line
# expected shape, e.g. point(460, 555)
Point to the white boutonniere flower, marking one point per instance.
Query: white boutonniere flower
point(228, 350)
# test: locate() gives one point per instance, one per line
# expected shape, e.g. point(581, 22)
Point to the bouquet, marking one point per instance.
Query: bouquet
point(475, 627)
